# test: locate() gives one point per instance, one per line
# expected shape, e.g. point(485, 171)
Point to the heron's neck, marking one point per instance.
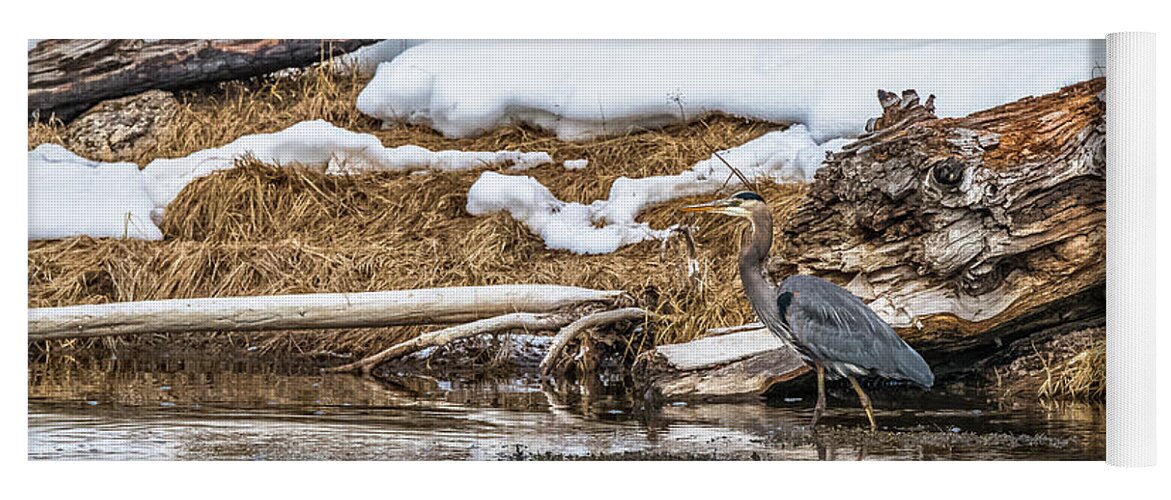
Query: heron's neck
point(754, 250)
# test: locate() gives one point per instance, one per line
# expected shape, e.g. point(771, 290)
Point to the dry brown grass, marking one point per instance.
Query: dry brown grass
point(218, 114)
point(1083, 377)
point(259, 229)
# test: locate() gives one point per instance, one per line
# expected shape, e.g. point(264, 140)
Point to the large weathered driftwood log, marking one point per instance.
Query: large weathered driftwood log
point(961, 231)
point(66, 77)
point(309, 311)
point(738, 364)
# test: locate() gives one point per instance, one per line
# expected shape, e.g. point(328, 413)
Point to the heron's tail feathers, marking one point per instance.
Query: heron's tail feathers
point(913, 368)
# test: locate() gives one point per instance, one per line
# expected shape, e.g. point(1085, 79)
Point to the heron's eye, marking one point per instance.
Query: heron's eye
point(948, 172)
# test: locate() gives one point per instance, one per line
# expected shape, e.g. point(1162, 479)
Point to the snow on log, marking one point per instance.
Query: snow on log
point(66, 77)
point(307, 311)
point(739, 364)
point(960, 232)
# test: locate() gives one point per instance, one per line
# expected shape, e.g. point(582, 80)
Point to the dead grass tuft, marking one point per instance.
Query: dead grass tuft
point(1083, 377)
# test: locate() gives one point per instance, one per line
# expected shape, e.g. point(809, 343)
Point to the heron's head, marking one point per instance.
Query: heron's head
point(741, 204)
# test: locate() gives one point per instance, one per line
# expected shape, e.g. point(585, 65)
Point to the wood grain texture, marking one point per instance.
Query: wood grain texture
point(66, 77)
point(953, 228)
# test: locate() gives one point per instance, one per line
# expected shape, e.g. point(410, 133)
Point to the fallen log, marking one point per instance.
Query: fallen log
point(308, 311)
point(728, 366)
point(505, 323)
point(964, 232)
point(66, 77)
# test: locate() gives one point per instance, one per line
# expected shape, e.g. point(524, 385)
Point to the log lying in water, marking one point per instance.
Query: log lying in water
point(309, 311)
point(961, 231)
point(738, 364)
point(66, 77)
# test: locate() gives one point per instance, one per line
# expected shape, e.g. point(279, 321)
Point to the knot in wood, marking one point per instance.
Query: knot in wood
point(948, 172)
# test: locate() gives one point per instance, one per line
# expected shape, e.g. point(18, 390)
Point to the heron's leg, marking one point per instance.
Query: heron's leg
point(819, 408)
point(865, 402)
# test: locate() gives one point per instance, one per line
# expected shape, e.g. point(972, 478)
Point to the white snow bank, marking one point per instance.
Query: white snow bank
point(603, 226)
point(583, 89)
point(71, 196)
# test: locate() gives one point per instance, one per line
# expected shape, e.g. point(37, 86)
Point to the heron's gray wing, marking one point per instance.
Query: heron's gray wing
point(836, 326)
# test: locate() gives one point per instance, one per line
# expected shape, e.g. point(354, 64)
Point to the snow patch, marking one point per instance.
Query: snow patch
point(575, 164)
point(319, 144)
point(563, 226)
point(585, 89)
point(71, 196)
point(604, 226)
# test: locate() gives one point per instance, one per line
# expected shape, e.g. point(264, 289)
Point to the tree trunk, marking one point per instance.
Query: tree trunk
point(66, 77)
point(309, 311)
point(962, 231)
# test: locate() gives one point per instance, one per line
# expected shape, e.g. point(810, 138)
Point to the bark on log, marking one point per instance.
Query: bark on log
point(309, 311)
point(505, 323)
point(66, 77)
point(743, 364)
point(962, 231)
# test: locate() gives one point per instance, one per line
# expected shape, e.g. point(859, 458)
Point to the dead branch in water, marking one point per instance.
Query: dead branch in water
point(498, 324)
point(576, 328)
point(307, 311)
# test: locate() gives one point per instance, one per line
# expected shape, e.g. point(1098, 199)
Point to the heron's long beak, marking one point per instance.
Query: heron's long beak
point(706, 207)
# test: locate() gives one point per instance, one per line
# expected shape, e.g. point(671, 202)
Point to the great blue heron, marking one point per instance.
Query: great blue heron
point(829, 327)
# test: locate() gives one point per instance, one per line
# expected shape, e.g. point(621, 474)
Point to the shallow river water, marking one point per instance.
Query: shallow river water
point(247, 410)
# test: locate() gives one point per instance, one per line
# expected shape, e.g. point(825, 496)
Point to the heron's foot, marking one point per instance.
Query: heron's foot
point(865, 403)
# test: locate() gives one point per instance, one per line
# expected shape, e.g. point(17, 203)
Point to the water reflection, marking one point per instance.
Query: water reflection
point(241, 409)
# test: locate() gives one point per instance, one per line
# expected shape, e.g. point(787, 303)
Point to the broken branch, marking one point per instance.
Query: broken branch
point(591, 321)
point(508, 322)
